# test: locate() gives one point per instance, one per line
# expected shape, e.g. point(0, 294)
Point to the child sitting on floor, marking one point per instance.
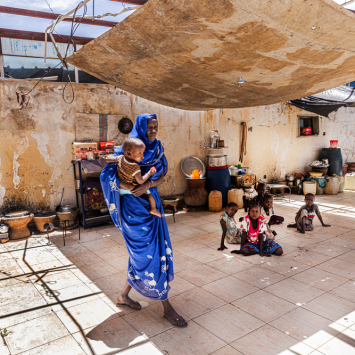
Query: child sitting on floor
point(267, 212)
point(230, 231)
point(261, 190)
point(264, 199)
point(253, 236)
point(305, 215)
point(130, 173)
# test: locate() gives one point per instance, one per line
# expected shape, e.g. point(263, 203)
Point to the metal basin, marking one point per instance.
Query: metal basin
point(220, 160)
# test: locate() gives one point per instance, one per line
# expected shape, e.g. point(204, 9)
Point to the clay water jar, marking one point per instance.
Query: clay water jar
point(18, 226)
point(196, 195)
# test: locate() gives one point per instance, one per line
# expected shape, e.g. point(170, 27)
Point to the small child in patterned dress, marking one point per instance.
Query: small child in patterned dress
point(129, 172)
point(253, 236)
point(230, 231)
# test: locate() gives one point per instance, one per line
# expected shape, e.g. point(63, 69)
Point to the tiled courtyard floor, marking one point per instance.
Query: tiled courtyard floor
point(60, 300)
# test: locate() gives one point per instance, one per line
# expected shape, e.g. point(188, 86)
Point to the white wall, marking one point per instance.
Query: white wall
point(36, 140)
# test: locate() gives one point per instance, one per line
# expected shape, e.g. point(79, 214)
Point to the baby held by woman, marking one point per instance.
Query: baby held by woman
point(129, 172)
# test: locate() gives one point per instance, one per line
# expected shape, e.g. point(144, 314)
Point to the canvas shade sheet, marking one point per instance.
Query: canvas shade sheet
point(98, 128)
point(192, 54)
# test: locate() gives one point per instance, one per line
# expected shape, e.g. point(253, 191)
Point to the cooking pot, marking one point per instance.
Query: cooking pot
point(233, 170)
point(3, 229)
point(68, 208)
point(298, 182)
point(220, 160)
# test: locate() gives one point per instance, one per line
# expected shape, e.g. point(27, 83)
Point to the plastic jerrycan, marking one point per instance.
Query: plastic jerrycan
point(215, 201)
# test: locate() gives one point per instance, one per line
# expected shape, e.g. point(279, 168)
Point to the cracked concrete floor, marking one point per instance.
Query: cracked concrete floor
point(57, 299)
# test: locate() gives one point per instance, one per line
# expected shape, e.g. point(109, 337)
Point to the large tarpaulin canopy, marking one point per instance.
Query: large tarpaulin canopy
point(195, 54)
point(328, 101)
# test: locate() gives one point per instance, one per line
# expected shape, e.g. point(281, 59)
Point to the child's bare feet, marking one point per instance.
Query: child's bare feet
point(155, 212)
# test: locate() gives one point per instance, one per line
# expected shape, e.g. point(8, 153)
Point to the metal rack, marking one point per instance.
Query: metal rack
point(87, 222)
point(281, 195)
point(64, 226)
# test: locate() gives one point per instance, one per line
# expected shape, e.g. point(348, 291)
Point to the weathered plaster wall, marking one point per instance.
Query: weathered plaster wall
point(36, 140)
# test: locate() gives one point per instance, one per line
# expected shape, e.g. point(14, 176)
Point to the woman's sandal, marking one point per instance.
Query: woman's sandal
point(130, 305)
point(175, 322)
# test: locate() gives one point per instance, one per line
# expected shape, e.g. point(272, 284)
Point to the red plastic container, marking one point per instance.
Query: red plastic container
point(105, 145)
point(307, 131)
point(333, 144)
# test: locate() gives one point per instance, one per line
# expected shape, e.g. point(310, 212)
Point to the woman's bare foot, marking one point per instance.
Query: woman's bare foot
point(155, 212)
point(127, 301)
point(172, 316)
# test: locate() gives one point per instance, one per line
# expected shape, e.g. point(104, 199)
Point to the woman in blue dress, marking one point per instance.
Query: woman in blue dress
point(150, 264)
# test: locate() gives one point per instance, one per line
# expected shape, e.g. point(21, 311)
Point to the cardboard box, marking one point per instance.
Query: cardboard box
point(78, 147)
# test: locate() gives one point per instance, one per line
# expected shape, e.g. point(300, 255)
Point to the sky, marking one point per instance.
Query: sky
point(61, 7)
point(64, 6)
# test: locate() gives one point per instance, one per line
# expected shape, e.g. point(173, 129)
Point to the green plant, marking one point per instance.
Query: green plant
point(4, 333)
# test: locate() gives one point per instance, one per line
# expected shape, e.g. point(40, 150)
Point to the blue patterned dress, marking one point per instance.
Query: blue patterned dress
point(150, 264)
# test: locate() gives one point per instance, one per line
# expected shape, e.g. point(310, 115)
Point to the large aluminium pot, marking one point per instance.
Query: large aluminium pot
point(219, 160)
point(67, 208)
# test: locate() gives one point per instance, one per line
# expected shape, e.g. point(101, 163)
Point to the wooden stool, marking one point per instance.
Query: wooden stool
point(171, 204)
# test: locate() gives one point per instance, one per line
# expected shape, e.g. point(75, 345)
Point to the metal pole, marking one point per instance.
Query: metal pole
point(2, 69)
point(76, 70)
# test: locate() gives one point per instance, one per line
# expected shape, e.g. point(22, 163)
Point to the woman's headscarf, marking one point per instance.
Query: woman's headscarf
point(154, 151)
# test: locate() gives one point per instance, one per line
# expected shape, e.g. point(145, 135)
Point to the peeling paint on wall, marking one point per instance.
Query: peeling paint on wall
point(21, 148)
point(2, 188)
point(58, 144)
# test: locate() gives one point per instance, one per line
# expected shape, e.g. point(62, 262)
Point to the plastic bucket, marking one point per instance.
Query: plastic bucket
point(333, 144)
point(310, 187)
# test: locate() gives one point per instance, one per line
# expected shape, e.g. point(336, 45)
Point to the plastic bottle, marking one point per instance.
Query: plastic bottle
point(341, 182)
point(236, 196)
point(332, 186)
point(215, 201)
